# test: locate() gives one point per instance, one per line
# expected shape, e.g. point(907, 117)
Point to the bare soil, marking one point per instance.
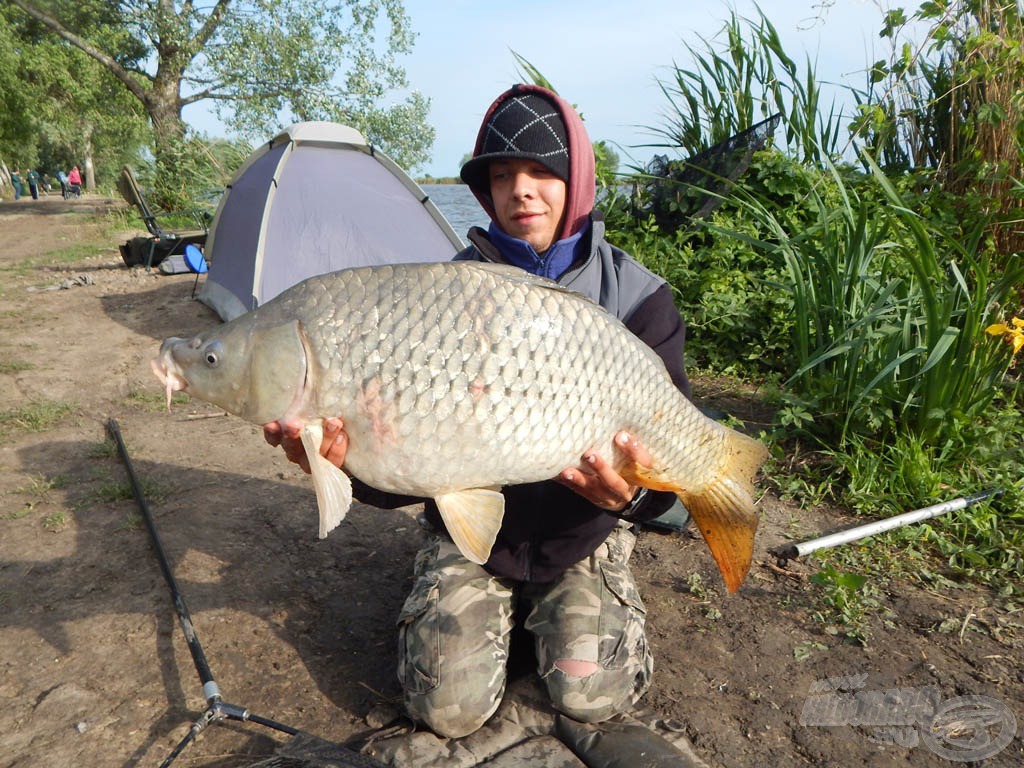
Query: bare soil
point(95, 670)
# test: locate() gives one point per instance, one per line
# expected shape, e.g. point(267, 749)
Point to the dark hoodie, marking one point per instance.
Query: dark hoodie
point(547, 527)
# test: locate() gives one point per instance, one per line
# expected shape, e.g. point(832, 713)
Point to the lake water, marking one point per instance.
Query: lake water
point(458, 205)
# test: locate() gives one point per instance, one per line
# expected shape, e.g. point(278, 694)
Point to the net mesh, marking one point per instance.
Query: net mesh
point(677, 192)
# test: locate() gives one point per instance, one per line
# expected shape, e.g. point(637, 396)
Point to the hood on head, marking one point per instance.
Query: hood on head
point(580, 180)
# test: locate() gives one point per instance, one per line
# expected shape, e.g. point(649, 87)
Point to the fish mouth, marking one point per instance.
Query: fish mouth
point(164, 368)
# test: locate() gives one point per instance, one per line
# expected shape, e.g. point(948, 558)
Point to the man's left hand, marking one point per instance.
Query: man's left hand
point(596, 479)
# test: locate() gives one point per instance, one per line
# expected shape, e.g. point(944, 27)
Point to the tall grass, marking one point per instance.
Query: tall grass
point(742, 77)
point(890, 314)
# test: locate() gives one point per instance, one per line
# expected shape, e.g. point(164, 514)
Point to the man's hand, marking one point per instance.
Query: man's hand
point(598, 482)
point(334, 446)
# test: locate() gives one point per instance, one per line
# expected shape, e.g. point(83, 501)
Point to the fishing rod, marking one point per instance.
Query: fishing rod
point(216, 708)
point(791, 551)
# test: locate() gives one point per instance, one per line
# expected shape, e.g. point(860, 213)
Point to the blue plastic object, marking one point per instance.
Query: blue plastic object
point(194, 259)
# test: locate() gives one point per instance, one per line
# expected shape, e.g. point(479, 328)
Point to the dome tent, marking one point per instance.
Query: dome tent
point(315, 199)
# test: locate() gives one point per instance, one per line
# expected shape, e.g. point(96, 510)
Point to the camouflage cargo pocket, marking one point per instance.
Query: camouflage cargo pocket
point(623, 618)
point(419, 637)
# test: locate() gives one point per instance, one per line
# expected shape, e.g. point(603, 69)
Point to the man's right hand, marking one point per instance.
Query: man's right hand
point(286, 434)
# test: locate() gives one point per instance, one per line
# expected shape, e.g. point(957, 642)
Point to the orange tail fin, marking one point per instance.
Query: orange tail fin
point(723, 509)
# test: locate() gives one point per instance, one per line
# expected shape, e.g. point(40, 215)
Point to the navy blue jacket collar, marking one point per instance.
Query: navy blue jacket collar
point(552, 264)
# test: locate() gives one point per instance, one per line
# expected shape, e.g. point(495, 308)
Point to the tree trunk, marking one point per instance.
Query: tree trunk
point(163, 104)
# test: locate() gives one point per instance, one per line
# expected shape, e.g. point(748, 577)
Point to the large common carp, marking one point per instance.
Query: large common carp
point(458, 378)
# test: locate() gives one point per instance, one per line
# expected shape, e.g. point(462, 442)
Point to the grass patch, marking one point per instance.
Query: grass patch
point(39, 486)
point(56, 521)
point(15, 366)
point(121, 490)
point(75, 252)
point(131, 522)
point(25, 511)
point(105, 449)
point(154, 401)
point(37, 416)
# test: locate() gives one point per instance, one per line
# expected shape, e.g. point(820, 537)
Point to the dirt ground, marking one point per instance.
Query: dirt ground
point(95, 670)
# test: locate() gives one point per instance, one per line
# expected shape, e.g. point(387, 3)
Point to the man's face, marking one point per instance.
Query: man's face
point(529, 201)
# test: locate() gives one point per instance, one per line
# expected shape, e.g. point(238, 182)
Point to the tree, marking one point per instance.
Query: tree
point(65, 107)
point(15, 107)
point(255, 59)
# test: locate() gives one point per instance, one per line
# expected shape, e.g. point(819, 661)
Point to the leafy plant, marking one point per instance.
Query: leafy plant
point(952, 104)
point(744, 78)
point(847, 599)
point(889, 313)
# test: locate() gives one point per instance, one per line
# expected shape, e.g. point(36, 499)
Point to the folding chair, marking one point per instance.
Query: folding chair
point(161, 242)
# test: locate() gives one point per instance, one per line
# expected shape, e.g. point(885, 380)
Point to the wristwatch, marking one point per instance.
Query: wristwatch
point(633, 505)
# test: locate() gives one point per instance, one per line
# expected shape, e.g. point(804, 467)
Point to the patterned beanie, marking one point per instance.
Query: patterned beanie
point(524, 127)
point(529, 121)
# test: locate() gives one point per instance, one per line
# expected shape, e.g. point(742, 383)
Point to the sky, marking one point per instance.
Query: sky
point(604, 56)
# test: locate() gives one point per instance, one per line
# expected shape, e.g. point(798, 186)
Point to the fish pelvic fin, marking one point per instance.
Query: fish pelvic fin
point(472, 518)
point(333, 487)
point(723, 509)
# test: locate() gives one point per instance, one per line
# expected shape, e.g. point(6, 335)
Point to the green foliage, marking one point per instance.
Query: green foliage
point(17, 145)
point(847, 598)
point(258, 61)
point(888, 312)
point(71, 109)
point(740, 78)
point(37, 416)
point(869, 291)
point(983, 543)
point(953, 104)
point(191, 174)
point(738, 310)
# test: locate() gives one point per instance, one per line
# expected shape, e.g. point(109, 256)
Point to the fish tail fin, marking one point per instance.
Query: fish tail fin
point(723, 509)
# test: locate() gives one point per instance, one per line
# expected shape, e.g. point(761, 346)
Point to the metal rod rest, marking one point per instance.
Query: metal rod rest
point(216, 709)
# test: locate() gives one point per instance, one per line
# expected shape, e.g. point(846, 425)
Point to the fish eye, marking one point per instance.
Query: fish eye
point(212, 354)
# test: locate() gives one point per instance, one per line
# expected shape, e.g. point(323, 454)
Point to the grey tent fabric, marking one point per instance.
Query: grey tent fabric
point(315, 199)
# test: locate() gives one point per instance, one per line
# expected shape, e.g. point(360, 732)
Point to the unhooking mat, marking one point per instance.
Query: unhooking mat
point(524, 733)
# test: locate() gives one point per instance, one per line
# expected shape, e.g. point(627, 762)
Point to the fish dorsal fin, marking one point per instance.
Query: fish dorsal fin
point(333, 487)
point(472, 518)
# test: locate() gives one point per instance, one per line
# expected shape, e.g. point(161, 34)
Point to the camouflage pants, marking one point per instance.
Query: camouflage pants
point(455, 626)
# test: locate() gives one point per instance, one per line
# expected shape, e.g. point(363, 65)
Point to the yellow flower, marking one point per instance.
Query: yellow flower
point(1014, 335)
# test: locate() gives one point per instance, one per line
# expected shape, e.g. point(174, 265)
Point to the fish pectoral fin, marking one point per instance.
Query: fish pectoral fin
point(472, 518)
point(333, 487)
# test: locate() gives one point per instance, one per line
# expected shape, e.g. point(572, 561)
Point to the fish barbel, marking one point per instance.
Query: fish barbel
point(458, 378)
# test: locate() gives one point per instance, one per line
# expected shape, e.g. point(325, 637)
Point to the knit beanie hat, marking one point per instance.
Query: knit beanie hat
point(532, 123)
point(524, 127)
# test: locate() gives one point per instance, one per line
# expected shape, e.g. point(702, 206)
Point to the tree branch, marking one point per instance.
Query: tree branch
point(213, 21)
point(86, 47)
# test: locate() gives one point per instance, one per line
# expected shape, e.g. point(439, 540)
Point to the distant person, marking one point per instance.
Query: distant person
point(75, 181)
point(33, 182)
point(16, 182)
